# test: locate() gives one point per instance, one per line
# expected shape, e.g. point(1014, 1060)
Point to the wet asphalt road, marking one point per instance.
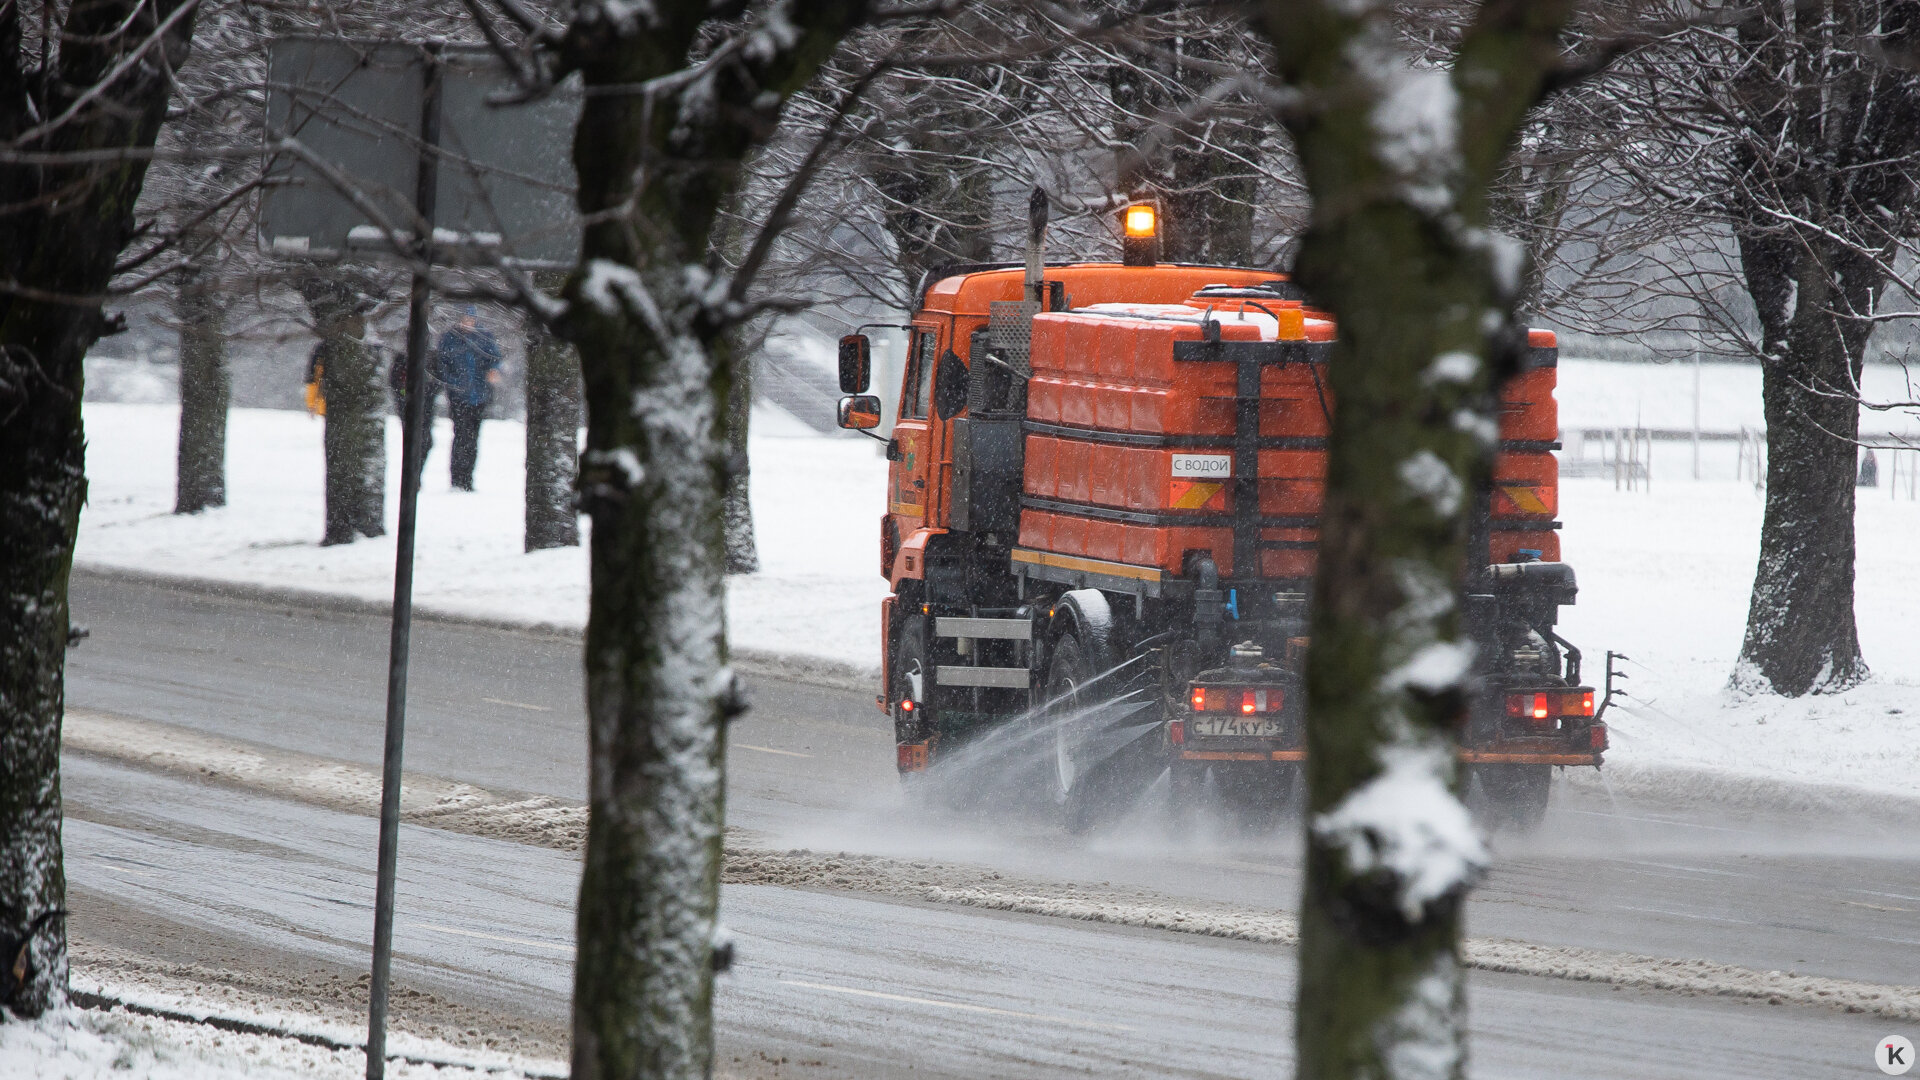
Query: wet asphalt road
point(812, 767)
point(842, 985)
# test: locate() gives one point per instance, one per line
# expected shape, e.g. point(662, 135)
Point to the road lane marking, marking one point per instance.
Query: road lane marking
point(516, 704)
point(124, 870)
point(1068, 1021)
point(1683, 868)
point(1683, 915)
point(1241, 864)
point(1612, 815)
point(1876, 907)
point(771, 750)
point(495, 937)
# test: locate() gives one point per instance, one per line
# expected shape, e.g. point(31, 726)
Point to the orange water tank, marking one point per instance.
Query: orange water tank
point(1129, 450)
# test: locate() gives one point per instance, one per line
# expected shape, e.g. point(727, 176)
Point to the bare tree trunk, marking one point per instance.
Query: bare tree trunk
point(41, 491)
point(63, 228)
point(355, 442)
point(1398, 251)
point(1207, 194)
point(1210, 207)
point(1212, 183)
point(201, 469)
point(654, 358)
point(553, 439)
point(743, 554)
point(1824, 170)
point(1801, 634)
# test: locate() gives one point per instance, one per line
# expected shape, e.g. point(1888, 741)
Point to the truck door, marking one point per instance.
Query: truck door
point(915, 470)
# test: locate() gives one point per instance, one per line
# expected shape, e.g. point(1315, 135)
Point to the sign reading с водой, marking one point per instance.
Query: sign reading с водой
point(1203, 466)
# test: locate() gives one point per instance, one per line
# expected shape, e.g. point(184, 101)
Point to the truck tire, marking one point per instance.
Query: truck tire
point(1066, 769)
point(1096, 761)
point(1512, 797)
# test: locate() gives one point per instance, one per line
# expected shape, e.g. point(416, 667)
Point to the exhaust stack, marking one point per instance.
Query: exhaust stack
point(1036, 240)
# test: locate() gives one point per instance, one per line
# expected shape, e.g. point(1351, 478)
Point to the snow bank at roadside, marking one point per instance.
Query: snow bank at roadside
point(80, 1044)
point(1664, 576)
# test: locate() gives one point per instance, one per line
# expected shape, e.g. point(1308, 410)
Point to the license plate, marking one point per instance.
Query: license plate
point(1241, 726)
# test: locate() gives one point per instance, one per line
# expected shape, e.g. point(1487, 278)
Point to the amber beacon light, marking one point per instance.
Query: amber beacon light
point(1140, 234)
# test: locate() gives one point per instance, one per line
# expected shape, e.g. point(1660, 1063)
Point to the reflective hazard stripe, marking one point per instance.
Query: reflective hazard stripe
point(1196, 495)
point(1526, 498)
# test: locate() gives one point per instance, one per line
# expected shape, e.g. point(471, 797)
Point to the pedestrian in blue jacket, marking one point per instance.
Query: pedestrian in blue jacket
point(466, 363)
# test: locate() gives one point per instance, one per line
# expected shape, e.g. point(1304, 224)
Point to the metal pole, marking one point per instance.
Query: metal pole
point(412, 443)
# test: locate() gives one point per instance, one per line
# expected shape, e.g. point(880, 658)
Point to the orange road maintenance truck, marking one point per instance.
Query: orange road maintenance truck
point(1100, 533)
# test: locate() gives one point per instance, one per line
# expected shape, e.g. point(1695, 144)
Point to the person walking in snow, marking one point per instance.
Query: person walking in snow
point(466, 362)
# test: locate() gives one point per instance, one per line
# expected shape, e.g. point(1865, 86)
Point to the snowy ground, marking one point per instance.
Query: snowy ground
point(1664, 574)
point(1664, 578)
point(108, 1044)
point(817, 503)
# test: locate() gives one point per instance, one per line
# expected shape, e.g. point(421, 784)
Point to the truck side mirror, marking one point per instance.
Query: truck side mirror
point(856, 364)
point(860, 412)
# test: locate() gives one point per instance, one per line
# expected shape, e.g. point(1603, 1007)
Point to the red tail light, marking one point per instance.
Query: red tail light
point(1177, 732)
point(1539, 705)
point(906, 705)
point(1245, 700)
point(1597, 735)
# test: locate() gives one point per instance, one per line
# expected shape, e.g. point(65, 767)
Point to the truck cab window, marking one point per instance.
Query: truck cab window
point(919, 395)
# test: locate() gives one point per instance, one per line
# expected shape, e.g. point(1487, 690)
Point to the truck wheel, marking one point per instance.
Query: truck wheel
point(1084, 776)
point(1513, 797)
point(1067, 672)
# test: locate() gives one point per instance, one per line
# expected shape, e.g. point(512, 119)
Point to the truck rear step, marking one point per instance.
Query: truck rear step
point(1006, 629)
point(962, 675)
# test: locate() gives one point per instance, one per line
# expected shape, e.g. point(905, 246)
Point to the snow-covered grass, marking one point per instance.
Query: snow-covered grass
point(817, 503)
point(1664, 575)
point(1664, 578)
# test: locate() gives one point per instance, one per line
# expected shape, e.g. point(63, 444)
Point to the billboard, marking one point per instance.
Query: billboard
point(505, 172)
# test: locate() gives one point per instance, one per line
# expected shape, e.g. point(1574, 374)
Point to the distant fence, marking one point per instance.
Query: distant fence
point(1901, 472)
point(1625, 454)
